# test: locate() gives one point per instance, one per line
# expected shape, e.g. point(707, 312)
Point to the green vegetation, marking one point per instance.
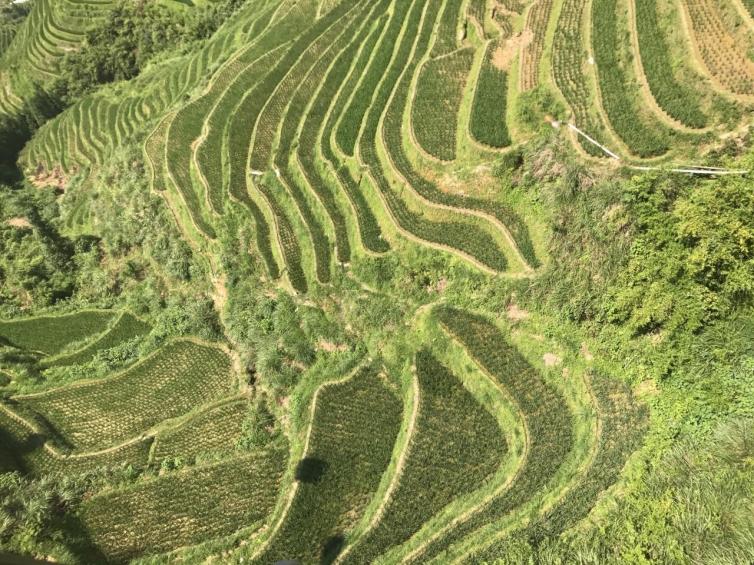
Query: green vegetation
point(675, 98)
point(621, 108)
point(434, 113)
point(335, 280)
point(126, 327)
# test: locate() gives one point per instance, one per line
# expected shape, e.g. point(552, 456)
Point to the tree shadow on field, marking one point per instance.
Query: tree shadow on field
point(311, 470)
point(331, 549)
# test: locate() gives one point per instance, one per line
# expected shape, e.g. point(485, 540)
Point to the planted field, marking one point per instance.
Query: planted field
point(487, 123)
point(546, 418)
point(99, 414)
point(676, 98)
point(369, 229)
point(472, 448)
point(52, 334)
point(439, 91)
point(352, 434)
point(183, 508)
point(214, 430)
point(126, 328)
point(569, 64)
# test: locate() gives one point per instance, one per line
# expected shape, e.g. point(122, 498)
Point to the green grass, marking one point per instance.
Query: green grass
point(355, 426)
point(180, 376)
point(184, 507)
point(52, 334)
point(456, 446)
point(127, 327)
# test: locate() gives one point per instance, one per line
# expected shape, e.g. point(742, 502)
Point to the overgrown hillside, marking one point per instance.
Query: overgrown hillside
point(388, 281)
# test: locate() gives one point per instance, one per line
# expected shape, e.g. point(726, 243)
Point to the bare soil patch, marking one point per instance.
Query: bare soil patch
point(56, 178)
point(551, 360)
point(504, 55)
point(515, 313)
point(19, 222)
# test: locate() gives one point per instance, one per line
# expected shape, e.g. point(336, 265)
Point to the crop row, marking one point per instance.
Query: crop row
point(531, 55)
point(271, 117)
point(568, 65)
point(22, 450)
point(182, 508)
point(126, 328)
point(622, 425)
point(676, 99)
point(227, 89)
point(99, 414)
point(546, 417)
point(723, 56)
point(245, 116)
point(369, 229)
point(471, 241)
point(439, 90)
point(352, 117)
point(487, 124)
point(211, 431)
point(52, 334)
point(472, 448)
point(354, 429)
point(462, 237)
point(475, 12)
point(617, 100)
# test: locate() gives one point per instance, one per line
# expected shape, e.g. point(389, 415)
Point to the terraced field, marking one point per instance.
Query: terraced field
point(334, 141)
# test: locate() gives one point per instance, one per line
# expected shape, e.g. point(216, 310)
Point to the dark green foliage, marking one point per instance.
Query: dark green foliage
point(456, 445)
point(184, 507)
point(51, 334)
point(546, 416)
point(126, 328)
point(354, 428)
point(620, 106)
point(679, 101)
point(487, 123)
point(130, 37)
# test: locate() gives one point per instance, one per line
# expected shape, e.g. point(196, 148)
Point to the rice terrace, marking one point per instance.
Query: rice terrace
point(377, 281)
